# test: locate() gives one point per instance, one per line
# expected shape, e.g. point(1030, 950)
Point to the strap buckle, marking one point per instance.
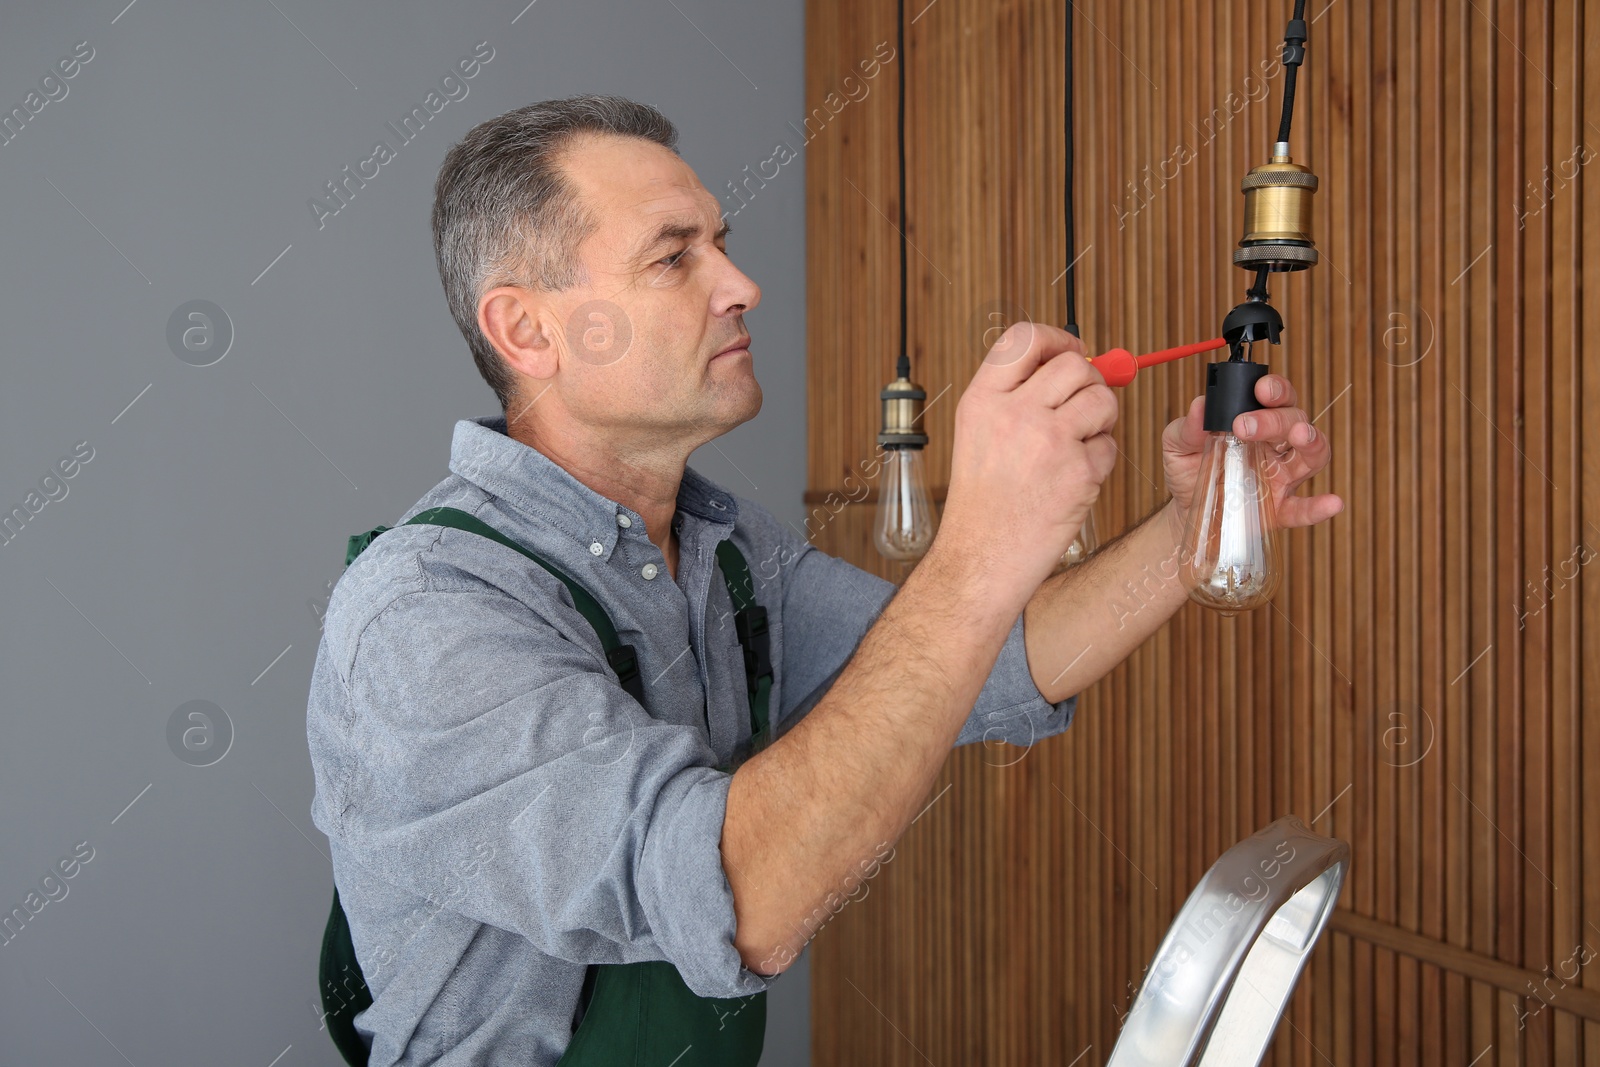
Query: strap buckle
point(625, 662)
point(751, 626)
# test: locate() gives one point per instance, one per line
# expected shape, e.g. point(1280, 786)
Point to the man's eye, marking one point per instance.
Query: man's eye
point(672, 260)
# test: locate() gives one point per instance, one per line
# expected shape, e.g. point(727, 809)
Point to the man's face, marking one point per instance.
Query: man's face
point(639, 344)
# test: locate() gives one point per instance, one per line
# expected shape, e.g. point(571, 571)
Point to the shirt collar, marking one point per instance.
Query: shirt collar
point(538, 486)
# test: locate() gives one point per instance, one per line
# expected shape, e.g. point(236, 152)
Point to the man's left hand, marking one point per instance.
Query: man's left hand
point(1301, 452)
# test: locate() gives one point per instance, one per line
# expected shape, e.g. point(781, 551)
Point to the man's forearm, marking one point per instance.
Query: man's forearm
point(812, 812)
point(1085, 620)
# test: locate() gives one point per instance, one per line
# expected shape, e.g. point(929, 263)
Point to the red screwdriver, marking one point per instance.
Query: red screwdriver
point(1119, 367)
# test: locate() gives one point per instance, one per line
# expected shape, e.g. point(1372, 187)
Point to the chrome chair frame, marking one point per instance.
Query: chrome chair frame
point(1219, 983)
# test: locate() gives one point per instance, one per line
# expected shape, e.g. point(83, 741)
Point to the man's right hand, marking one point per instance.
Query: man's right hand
point(1032, 446)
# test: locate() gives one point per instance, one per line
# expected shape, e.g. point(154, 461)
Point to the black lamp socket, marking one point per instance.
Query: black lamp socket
point(1231, 391)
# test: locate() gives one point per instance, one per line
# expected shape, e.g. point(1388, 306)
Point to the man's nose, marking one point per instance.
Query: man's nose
point(736, 291)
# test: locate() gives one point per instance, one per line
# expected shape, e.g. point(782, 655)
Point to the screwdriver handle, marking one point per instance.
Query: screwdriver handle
point(1119, 367)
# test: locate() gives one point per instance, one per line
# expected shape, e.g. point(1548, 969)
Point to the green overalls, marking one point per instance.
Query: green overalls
point(631, 1013)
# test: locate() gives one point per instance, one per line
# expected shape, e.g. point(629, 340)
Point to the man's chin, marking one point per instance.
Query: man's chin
point(747, 407)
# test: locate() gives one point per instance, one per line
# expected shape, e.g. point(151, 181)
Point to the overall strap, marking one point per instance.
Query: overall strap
point(750, 618)
point(621, 657)
point(750, 623)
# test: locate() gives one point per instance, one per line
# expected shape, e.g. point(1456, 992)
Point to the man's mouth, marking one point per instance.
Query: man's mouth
point(741, 344)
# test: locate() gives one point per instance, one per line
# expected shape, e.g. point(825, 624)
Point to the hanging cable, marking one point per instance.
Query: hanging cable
point(1294, 53)
point(1067, 160)
point(903, 364)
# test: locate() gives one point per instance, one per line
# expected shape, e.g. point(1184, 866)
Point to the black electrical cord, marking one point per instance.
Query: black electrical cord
point(1258, 291)
point(1071, 272)
point(903, 364)
point(1294, 53)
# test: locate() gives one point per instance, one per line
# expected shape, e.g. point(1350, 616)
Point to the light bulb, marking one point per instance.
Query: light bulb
point(1232, 557)
point(1232, 554)
point(905, 523)
point(1084, 544)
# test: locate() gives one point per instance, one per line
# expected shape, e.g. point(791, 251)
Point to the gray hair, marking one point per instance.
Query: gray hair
point(504, 212)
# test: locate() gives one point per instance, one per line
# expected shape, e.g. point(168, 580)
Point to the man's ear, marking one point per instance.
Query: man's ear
point(522, 329)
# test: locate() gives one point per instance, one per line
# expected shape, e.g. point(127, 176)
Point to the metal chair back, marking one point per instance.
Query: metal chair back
point(1223, 975)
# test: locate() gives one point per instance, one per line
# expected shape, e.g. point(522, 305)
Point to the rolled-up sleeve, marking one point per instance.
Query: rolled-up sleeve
point(828, 606)
point(494, 764)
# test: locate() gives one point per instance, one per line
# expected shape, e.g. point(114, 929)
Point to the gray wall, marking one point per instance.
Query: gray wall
point(186, 558)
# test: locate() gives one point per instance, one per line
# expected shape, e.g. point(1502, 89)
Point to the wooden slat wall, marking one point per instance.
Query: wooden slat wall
point(1418, 687)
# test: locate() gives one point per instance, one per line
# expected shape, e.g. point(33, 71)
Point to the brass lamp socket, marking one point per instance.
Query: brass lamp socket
point(1277, 217)
point(902, 410)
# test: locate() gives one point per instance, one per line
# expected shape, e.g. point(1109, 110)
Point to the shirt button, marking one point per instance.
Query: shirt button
point(596, 548)
point(623, 520)
point(648, 570)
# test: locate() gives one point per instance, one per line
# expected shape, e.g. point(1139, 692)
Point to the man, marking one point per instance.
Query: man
point(505, 819)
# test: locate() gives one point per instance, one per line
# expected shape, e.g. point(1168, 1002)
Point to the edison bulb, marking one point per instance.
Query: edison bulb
point(1084, 544)
point(1233, 558)
point(905, 522)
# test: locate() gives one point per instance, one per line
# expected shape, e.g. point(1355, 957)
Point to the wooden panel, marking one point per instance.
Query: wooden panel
point(1425, 686)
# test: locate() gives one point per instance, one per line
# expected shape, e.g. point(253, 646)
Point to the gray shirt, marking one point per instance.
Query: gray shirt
point(500, 811)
